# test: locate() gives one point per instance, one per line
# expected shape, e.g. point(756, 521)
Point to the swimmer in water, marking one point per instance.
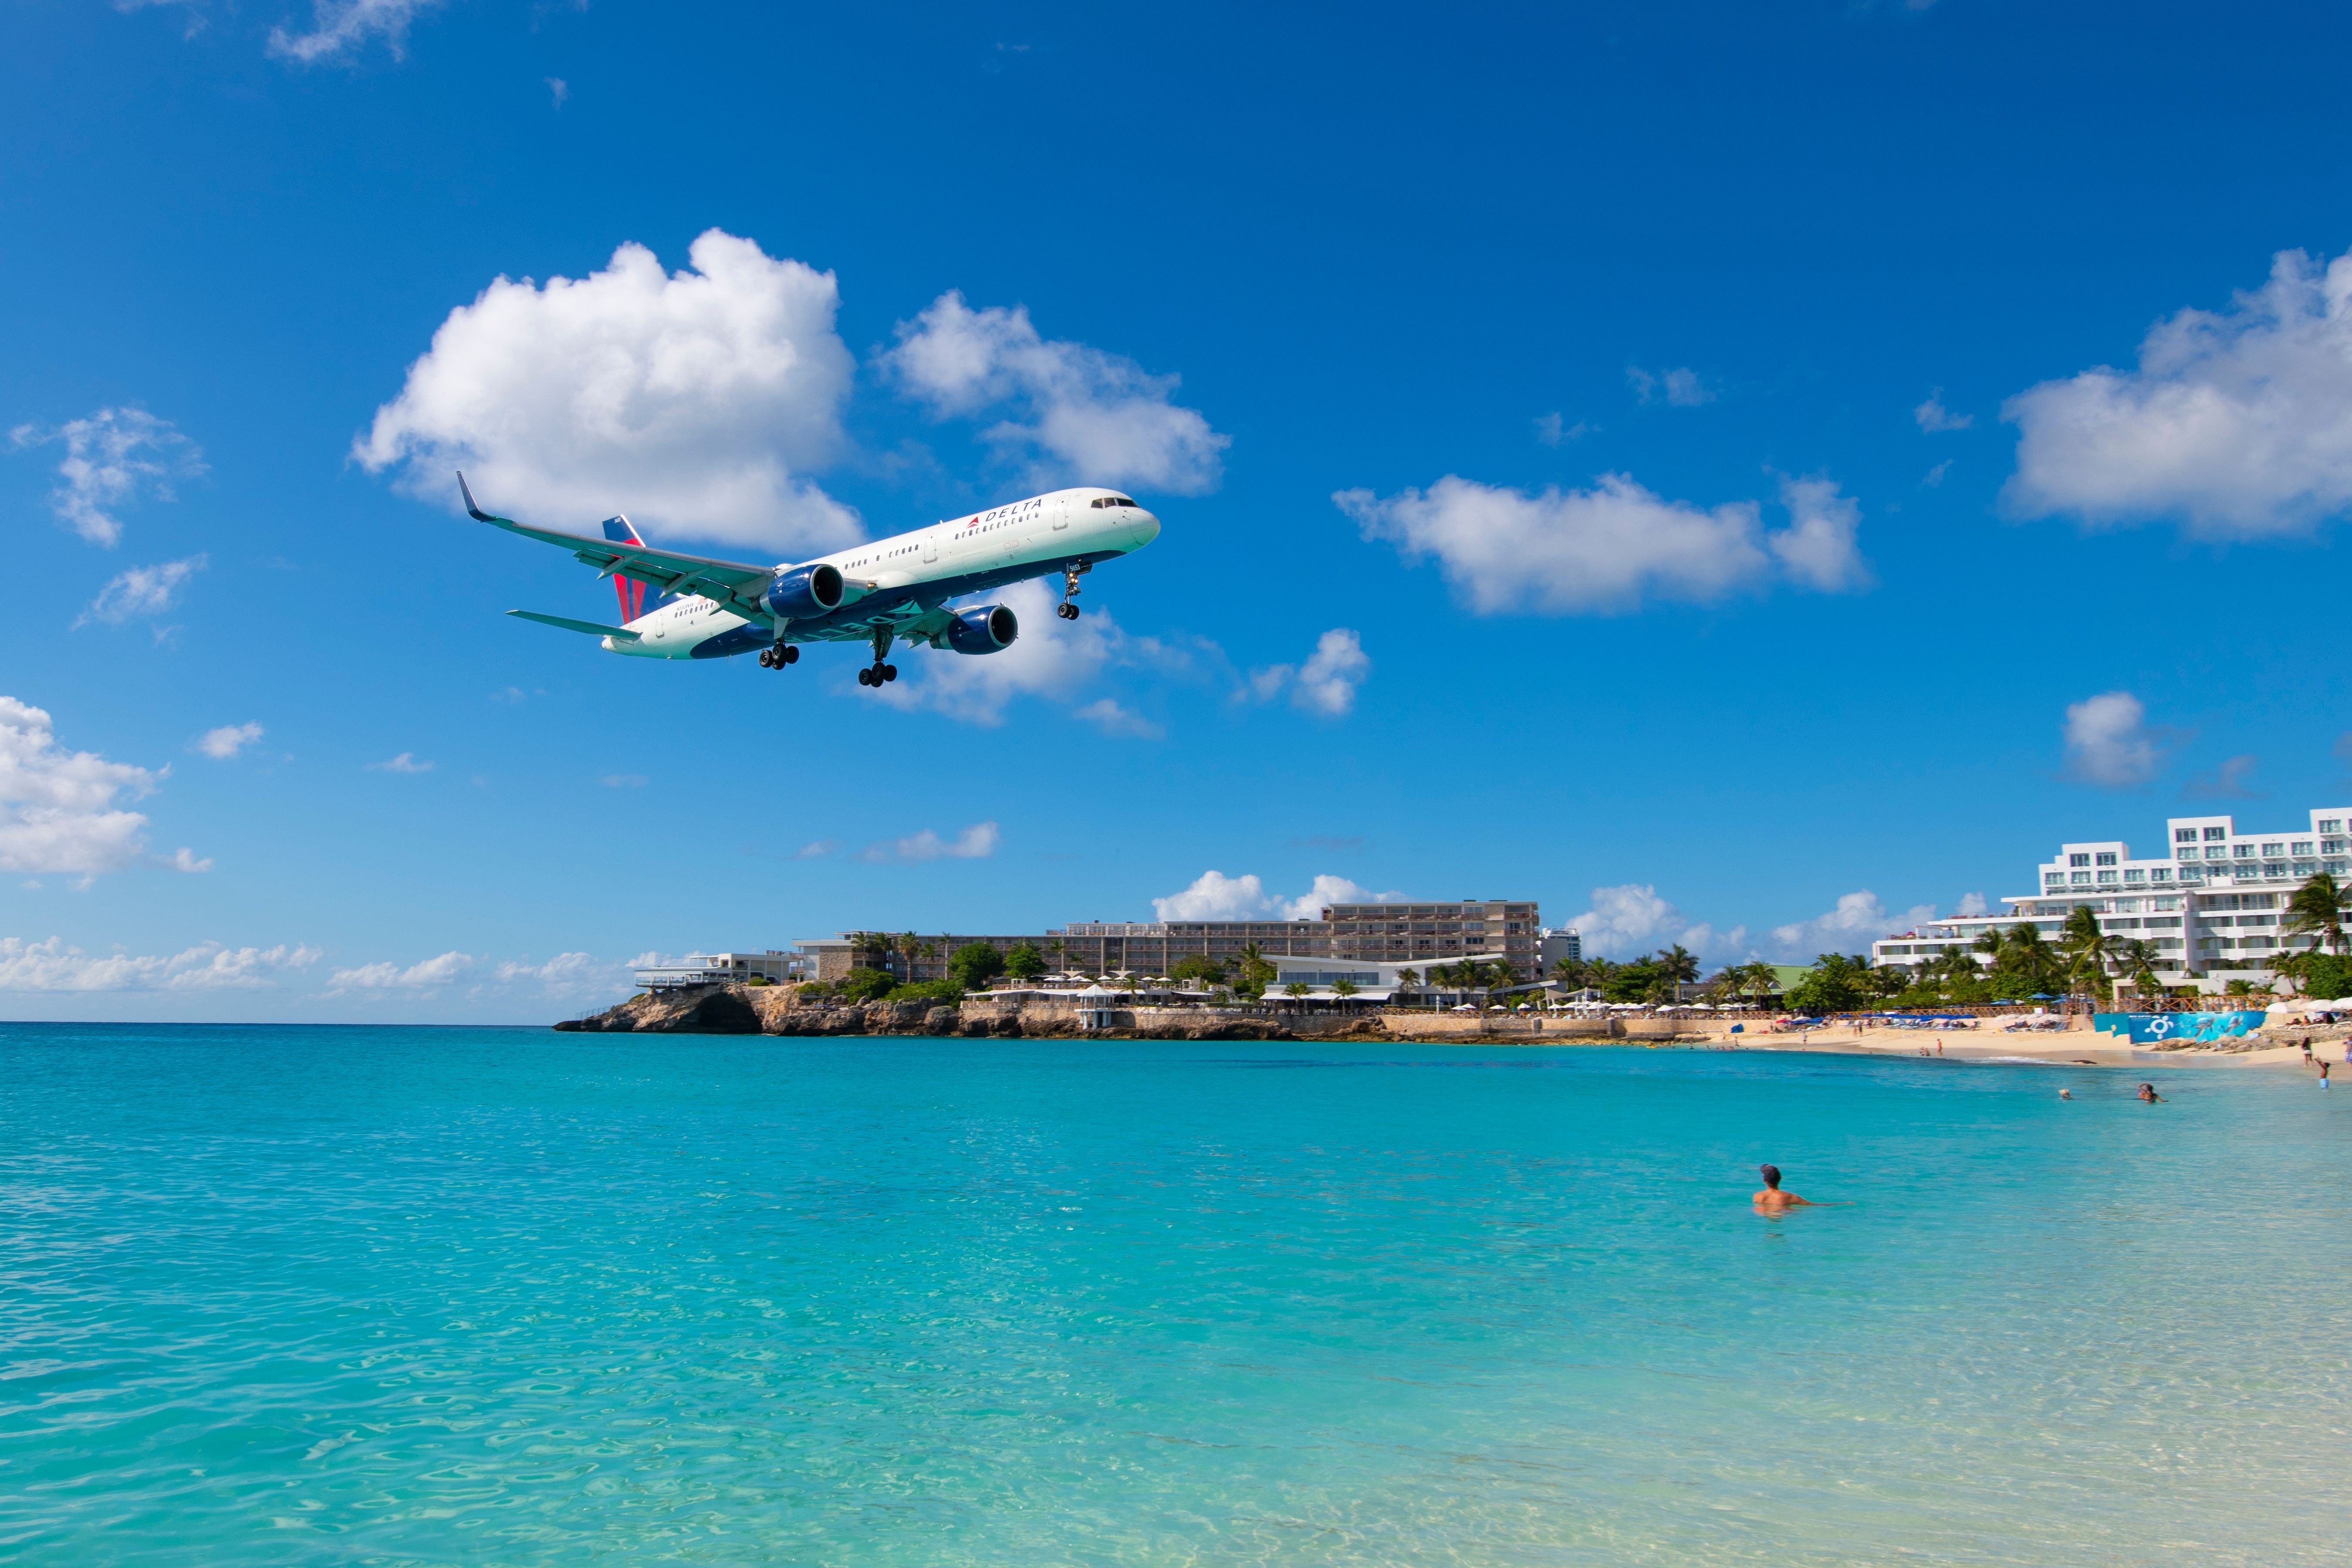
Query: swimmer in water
point(1772, 1200)
point(2065, 1094)
point(2147, 1093)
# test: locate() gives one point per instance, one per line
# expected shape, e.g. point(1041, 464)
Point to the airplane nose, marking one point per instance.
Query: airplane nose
point(1147, 529)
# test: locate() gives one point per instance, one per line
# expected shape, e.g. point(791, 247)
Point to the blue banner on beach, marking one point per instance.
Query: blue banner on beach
point(2166, 1028)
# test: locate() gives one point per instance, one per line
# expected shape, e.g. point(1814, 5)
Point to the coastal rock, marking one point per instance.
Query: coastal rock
point(703, 1010)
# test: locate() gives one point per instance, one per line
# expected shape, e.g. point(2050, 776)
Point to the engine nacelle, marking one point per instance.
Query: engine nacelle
point(989, 628)
point(804, 593)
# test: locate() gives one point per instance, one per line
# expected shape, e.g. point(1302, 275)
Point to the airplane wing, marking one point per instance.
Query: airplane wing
point(730, 583)
point(590, 628)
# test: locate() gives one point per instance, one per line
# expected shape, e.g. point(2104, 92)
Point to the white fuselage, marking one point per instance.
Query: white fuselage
point(968, 554)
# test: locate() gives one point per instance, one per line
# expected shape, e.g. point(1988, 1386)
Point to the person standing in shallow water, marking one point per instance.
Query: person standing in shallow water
point(1772, 1200)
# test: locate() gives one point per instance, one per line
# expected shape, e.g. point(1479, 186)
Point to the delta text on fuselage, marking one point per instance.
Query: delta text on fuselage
point(887, 590)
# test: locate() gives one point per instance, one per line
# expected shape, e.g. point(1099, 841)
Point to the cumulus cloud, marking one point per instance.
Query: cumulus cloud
point(428, 974)
point(113, 458)
point(1971, 904)
point(405, 763)
point(977, 842)
point(52, 965)
point(1633, 918)
point(143, 591)
point(1607, 549)
point(2110, 743)
point(1073, 413)
point(185, 860)
point(2238, 423)
point(689, 401)
point(1935, 419)
point(340, 28)
point(1214, 896)
point(567, 974)
point(226, 742)
point(1325, 684)
point(1107, 716)
point(1679, 388)
point(57, 810)
point(1858, 920)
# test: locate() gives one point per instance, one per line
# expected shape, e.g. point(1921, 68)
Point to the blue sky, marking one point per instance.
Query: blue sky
point(1742, 473)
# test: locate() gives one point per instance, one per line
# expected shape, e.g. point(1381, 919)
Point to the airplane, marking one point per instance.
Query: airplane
point(691, 607)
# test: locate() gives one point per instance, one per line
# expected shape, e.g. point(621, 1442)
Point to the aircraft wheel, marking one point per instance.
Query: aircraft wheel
point(889, 672)
point(791, 654)
point(865, 678)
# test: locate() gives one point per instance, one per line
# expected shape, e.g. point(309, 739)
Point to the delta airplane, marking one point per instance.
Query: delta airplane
point(688, 606)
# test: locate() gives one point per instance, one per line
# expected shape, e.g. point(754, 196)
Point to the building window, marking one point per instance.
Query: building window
point(2213, 833)
point(2106, 858)
point(2331, 847)
point(2331, 824)
point(2161, 874)
point(2303, 847)
point(2216, 852)
point(2184, 835)
point(2270, 849)
point(2135, 876)
point(2054, 878)
point(2107, 877)
point(2079, 878)
point(2078, 859)
point(2276, 869)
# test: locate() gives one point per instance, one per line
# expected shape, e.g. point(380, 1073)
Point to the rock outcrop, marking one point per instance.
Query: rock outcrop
point(778, 1010)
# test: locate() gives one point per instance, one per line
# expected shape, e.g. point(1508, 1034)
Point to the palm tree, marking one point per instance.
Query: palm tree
point(2140, 966)
point(2315, 910)
point(1297, 988)
point(1762, 979)
point(1677, 964)
point(1408, 980)
point(1568, 971)
point(1989, 942)
point(2087, 949)
point(2024, 953)
point(1254, 971)
point(1343, 986)
point(909, 949)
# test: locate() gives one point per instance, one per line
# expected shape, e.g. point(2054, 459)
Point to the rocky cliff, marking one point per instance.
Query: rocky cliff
point(777, 1010)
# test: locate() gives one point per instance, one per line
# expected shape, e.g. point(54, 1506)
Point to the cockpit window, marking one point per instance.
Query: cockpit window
point(1111, 501)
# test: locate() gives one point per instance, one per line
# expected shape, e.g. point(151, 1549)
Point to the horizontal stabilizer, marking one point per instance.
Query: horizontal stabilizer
point(590, 628)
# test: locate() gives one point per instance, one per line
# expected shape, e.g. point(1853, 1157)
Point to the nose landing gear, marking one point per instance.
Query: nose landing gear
point(777, 654)
point(1065, 609)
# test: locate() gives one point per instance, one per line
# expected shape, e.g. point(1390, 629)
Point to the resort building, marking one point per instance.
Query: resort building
point(2210, 906)
point(728, 968)
point(1412, 934)
point(1551, 946)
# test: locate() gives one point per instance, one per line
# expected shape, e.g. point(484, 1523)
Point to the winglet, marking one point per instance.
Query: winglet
point(477, 513)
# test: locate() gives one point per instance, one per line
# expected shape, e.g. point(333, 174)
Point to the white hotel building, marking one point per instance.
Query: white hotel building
point(2210, 908)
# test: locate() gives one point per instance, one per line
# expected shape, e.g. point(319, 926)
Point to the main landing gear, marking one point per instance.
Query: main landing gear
point(881, 674)
point(1065, 609)
point(775, 656)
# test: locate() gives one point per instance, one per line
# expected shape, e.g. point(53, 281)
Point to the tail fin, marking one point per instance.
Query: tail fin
point(637, 598)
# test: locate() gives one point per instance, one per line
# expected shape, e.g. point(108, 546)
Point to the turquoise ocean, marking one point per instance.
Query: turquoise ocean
point(488, 1296)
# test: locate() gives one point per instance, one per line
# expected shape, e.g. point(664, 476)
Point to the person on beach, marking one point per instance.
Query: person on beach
point(1772, 1200)
point(2148, 1094)
point(2307, 1051)
point(2324, 1065)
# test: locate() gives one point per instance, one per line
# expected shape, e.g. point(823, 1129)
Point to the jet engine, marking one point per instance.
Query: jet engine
point(989, 628)
point(805, 592)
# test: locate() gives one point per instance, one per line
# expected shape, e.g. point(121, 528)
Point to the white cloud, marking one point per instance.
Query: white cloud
point(1936, 475)
point(568, 974)
point(1113, 720)
point(341, 26)
point(1858, 920)
point(977, 842)
point(1632, 918)
point(1326, 684)
point(226, 742)
point(143, 591)
point(2238, 423)
point(51, 965)
point(1817, 548)
point(1090, 417)
point(2110, 743)
point(57, 810)
point(1934, 418)
point(1214, 896)
point(185, 860)
point(405, 763)
point(559, 90)
point(687, 401)
point(1553, 432)
point(112, 458)
point(1680, 388)
point(425, 976)
point(815, 849)
point(1971, 904)
point(1607, 549)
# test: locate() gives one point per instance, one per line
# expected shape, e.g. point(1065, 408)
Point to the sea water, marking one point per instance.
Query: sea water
point(443, 1296)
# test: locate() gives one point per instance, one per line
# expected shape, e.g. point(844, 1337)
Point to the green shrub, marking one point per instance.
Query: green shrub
point(974, 964)
point(863, 985)
point(926, 991)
